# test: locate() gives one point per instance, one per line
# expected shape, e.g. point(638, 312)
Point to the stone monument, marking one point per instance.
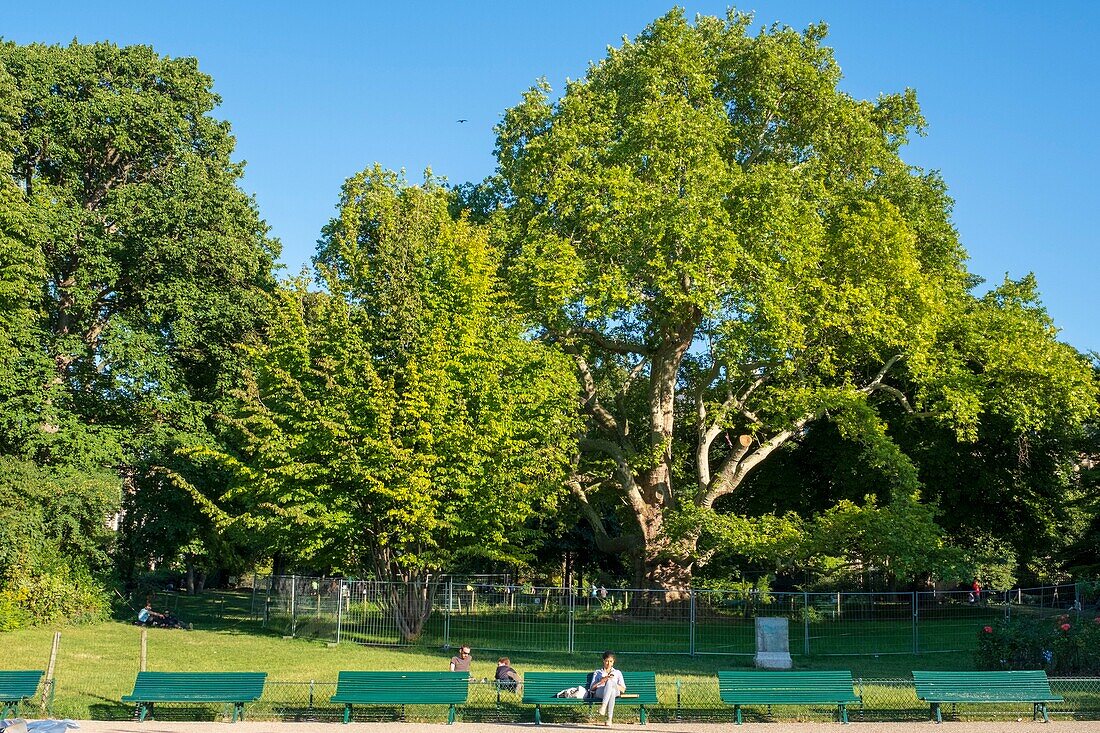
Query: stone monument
point(773, 649)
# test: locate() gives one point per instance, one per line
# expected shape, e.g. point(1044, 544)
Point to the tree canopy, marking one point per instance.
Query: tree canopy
point(398, 421)
point(131, 262)
point(719, 236)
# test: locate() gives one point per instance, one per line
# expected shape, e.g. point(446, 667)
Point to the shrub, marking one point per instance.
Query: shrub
point(1065, 644)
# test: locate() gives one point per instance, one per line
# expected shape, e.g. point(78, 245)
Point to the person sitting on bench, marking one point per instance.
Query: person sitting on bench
point(608, 684)
point(506, 677)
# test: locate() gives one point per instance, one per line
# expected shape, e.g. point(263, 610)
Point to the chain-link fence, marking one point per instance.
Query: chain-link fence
point(690, 699)
point(448, 611)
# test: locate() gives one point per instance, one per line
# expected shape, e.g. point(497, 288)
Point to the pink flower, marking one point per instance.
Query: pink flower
point(1097, 619)
point(1064, 627)
point(988, 629)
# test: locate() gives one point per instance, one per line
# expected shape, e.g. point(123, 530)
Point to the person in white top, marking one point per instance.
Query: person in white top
point(608, 684)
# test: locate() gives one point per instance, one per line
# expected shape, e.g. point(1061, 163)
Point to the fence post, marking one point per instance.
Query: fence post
point(569, 627)
point(916, 610)
point(252, 607)
point(267, 599)
point(293, 614)
point(806, 623)
point(447, 614)
point(339, 614)
point(691, 621)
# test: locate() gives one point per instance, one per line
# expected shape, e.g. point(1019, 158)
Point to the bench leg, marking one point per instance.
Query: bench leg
point(451, 716)
point(238, 711)
point(9, 711)
point(644, 717)
point(1041, 708)
point(843, 714)
point(538, 718)
point(936, 712)
point(737, 714)
point(347, 713)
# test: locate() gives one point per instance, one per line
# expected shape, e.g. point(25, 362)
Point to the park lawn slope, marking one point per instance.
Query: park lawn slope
point(97, 664)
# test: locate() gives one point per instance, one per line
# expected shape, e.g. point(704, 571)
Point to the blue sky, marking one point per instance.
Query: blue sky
point(317, 92)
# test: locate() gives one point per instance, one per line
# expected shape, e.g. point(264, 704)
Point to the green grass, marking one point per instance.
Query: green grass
point(97, 664)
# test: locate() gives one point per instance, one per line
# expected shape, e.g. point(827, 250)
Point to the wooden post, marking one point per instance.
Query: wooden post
point(47, 689)
point(144, 649)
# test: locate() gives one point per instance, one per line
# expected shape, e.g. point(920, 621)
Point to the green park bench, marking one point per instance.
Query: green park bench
point(830, 687)
point(1026, 686)
point(15, 686)
point(234, 688)
point(539, 689)
point(402, 688)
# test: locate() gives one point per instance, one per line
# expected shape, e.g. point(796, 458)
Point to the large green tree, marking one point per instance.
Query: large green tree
point(721, 238)
point(144, 261)
point(398, 423)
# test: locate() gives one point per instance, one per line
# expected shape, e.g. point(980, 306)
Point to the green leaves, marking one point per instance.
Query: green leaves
point(707, 192)
point(397, 421)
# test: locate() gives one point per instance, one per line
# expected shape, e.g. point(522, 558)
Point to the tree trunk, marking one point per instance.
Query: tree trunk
point(411, 603)
point(664, 568)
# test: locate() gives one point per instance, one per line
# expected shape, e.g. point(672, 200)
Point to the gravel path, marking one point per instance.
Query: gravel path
point(1058, 726)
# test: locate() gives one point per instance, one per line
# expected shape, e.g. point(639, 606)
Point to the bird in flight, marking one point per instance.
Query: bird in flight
point(461, 121)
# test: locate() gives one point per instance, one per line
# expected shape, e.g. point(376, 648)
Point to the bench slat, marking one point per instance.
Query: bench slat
point(540, 687)
point(1022, 686)
point(994, 686)
point(821, 687)
point(223, 687)
point(19, 683)
point(401, 688)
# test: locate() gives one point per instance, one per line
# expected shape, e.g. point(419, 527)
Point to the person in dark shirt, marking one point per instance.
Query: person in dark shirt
point(461, 661)
point(506, 677)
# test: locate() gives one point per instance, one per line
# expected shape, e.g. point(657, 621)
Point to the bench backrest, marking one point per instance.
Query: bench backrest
point(994, 686)
point(402, 688)
point(777, 688)
point(198, 686)
point(19, 683)
point(539, 687)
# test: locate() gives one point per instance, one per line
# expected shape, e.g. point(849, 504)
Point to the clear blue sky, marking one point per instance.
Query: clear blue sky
point(316, 92)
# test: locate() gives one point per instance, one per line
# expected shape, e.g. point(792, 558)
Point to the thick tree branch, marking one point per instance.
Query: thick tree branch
point(738, 465)
point(707, 434)
point(896, 393)
point(877, 385)
point(620, 545)
point(590, 399)
point(603, 341)
point(625, 470)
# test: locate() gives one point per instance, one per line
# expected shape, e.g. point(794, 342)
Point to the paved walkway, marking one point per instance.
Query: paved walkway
point(1057, 726)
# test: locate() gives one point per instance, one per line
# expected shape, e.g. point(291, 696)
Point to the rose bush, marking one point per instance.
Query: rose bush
point(1056, 645)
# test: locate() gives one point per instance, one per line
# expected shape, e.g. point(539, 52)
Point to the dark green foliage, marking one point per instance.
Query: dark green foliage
point(1066, 645)
point(130, 265)
point(53, 541)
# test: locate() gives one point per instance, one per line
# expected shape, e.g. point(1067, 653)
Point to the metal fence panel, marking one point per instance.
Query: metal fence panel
point(508, 618)
point(634, 622)
point(489, 613)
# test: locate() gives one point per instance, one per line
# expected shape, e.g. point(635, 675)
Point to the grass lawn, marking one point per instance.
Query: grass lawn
point(97, 664)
